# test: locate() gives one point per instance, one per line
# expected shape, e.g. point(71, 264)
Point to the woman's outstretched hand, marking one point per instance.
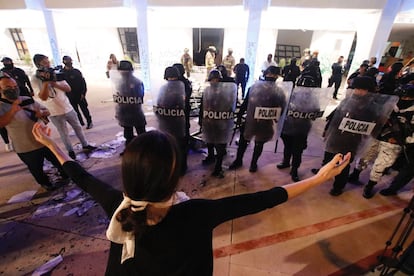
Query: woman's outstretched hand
point(41, 133)
point(334, 167)
point(327, 172)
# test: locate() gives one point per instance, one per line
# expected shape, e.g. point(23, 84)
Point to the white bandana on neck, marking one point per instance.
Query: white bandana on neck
point(115, 233)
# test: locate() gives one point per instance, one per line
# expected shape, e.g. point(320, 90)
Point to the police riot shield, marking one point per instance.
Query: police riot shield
point(267, 101)
point(356, 120)
point(169, 109)
point(219, 104)
point(305, 106)
point(128, 94)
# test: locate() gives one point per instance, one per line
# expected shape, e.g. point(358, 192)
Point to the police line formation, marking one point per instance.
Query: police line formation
point(370, 122)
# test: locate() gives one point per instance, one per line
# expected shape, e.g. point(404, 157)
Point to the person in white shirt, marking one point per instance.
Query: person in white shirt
point(51, 91)
point(268, 62)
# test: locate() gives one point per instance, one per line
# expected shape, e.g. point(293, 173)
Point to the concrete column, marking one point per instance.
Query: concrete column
point(255, 8)
point(142, 34)
point(50, 27)
point(372, 37)
point(388, 15)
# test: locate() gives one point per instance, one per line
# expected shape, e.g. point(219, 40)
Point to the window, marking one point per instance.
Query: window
point(129, 41)
point(287, 51)
point(19, 42)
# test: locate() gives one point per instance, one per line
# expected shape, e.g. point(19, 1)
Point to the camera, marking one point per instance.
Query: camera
point(49, 74)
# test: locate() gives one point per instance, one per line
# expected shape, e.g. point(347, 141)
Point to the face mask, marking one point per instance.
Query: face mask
point(8, 66)
point(404, 104)
point(11, 94)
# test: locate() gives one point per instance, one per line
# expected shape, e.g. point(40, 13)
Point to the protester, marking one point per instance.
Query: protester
point(151, 231)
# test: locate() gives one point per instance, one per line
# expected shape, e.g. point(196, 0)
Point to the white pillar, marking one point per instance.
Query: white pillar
point(388, 15)
point(142, 34)
point(255, 8)
point(50, 27)
point(372, 38)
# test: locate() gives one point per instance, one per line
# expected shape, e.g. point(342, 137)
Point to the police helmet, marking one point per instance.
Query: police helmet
point(272, 70)
point(222, 70)
point(364, 82)
point(214, 74)
point(171, 72)
point(180, 68)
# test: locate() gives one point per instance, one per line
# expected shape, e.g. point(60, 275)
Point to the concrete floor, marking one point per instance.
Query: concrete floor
point(315, 234)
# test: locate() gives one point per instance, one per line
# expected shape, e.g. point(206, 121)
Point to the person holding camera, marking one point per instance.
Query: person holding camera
point(18, 114)
point(51, 90)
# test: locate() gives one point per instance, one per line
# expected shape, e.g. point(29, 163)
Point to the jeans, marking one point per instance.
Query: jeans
point(34, 161)
point(60, 123)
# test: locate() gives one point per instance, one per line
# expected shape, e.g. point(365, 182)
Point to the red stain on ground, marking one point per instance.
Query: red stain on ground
point(241, 247)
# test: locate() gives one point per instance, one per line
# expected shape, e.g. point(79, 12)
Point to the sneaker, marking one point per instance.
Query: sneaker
point(388, 192)
point(89, 126)
point(8, 147)
point(283, 165)
point(235, 165)
point(89, 147)
point(335, 192)
point(72, 155)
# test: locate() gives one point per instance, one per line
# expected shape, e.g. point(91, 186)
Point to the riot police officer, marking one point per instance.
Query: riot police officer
point(129, 97)
point(217, 118)
point(170, 111)
point(264, 103)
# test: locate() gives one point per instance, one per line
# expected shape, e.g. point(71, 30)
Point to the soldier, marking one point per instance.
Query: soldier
point(170, 111)
point(210, 59)
point(395, 137)
point(357, 119)
point(229, 62)
point(187, 62)
point(264, 104)
point(129, 97)
point(217, 114)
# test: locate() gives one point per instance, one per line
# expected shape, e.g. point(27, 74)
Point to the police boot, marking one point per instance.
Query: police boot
point(294, 174)
point(256, 154)
point(239, 158)
point(218, 171)
point(210, 155)
point(369, 189)
point(354, 176)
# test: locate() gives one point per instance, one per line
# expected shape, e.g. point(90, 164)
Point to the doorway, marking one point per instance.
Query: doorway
point(202, 39)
